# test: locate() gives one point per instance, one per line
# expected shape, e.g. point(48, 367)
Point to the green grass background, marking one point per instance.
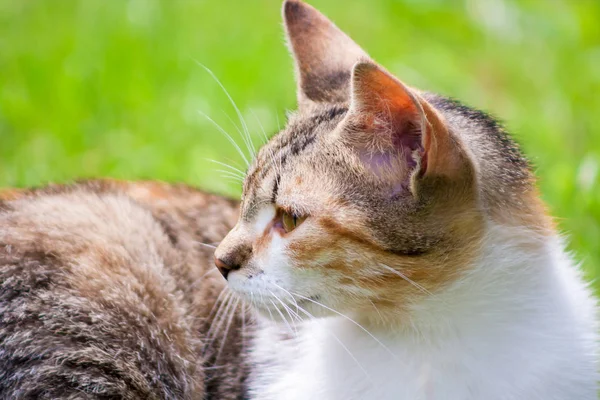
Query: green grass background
point(94, 88)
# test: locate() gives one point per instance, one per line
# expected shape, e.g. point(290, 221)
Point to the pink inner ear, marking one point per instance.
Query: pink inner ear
point(386, 166)
point(379, 163)
point(396, 163)
point(390, 116)
point(406, 139)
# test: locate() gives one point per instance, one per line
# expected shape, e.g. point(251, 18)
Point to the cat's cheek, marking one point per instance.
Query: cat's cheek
point(272, 258)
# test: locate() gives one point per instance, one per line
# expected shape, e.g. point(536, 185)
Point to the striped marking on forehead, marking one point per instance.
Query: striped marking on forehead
point(272, 159)
point(292, 142)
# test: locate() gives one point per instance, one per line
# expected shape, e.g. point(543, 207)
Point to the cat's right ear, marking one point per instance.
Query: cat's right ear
point(324, 55)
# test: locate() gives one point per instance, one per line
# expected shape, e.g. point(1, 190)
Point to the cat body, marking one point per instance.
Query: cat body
point(106, 291)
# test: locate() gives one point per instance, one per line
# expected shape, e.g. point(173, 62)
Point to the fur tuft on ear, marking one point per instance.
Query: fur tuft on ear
point(324, 55)
point(396, 132)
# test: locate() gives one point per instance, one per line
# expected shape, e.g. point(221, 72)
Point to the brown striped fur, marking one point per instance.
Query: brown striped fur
point(100, 293)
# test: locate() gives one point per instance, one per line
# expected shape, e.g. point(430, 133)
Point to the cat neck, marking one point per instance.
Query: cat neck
point(518, 273)
point(519, 307)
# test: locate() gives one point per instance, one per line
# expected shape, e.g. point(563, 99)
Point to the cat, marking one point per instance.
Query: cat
point(405, 234)
point(389, 244)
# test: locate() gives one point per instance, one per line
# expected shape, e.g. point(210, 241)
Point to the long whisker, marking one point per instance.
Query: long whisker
point(220, 310)
point(337, 339)
point(236, 181)
point(349, 319)
point(277, 166)
point(262, 129)
point(286, 291)
point(229, 174)
point(234, 169)
point(215, 321)
point(406, 278)
point(227, 136)
point(204, 275)
point(243, 336)
point(287, 309)
point(268, 309)
point(229, 321)
point(281, 314)
point(206, 244)
point(376, 309)
point(226, 292)
point(277, 118)
point(245, 138)
point(237, 110)
point(291, 314)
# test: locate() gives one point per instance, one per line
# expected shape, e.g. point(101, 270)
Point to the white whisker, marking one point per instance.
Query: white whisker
point(286, 308)
point(229, 174)
point(264, 133)
point(204, 275)
point(337, 339)
point(224, 291)
point(291, 314)
point(349, 319)
point(227, 136)
point(268, 309)
point(245, 138)
point(281, 314)
point(206, 244)
point(289, 294)
point(234, 169)
point(271, 154)
point(237, 110)
point(376, 309)
point(217, 321)
point(229, 321)
point(236, 181)
point(406, 278)
point(243, 335)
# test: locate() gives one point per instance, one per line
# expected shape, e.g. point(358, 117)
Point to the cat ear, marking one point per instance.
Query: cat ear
point(324, 55)
point(397, 132)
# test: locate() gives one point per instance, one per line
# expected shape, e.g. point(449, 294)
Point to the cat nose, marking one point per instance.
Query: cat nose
point(224, 267)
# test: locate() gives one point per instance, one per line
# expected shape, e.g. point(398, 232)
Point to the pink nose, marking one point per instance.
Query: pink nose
point(224, 268)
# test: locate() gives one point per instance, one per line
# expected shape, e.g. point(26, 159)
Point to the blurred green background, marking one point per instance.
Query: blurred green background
point(94, 88)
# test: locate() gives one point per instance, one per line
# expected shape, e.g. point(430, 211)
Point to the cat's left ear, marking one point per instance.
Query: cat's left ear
point(398, 134)
point(323, 54)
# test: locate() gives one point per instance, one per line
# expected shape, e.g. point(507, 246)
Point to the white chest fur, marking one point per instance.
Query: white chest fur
point(519, 326)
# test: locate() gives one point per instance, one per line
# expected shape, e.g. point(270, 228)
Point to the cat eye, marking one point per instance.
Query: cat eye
point(291, 221)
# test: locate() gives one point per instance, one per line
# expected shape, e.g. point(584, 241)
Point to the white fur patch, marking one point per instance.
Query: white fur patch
point(263, 218)
point(520, 325)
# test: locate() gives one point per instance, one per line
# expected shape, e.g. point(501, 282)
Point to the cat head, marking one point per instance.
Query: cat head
point(369, 199)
